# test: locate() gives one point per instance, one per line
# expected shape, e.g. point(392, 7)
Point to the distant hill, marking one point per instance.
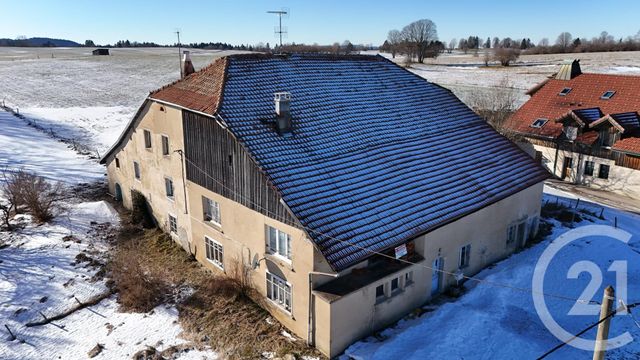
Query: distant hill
point(39, 42)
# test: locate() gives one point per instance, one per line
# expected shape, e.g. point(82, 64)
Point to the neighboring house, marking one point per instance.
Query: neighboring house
point(584, 128)
point(100, 52)
point(317, 172)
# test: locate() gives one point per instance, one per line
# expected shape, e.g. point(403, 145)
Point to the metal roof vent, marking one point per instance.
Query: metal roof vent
point(283, 114)
point(569, 70)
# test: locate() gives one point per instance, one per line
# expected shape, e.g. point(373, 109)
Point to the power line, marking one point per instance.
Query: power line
point(478, 280)
point(613, 313)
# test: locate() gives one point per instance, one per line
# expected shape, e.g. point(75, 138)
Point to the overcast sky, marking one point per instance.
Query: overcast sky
point(312, 21)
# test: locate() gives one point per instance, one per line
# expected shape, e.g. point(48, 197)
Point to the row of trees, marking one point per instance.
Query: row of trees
point(417, 40)
point(564, 43)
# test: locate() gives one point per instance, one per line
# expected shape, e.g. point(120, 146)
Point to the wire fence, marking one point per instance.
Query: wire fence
point(585, 209)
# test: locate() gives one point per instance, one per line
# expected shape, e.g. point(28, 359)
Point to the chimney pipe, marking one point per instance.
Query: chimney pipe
point(187, 65)
point(283, 114)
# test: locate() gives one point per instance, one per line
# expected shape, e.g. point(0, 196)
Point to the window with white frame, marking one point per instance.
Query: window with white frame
point(511, 234)
point(168, 186)
point(380, 291)
point(136, 170)
point(408, 278)
point(211, 210)
point(395, 285)
point(147, 139)
point(215, 252)
point(279, 291)
point(465, 255)
point(165, 145)
point(173, 224)
point(278, 242)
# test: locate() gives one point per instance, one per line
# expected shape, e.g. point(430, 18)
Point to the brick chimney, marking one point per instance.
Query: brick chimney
point(187, 65)
point(283, 115)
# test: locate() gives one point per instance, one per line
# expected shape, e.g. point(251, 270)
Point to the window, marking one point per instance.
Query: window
point(279, 242)
point(136, 170)
point(408, 278)
point(564, 91)
point(465, 253)
point(539, 123)
point(165, 145)
point(380, 291)
point(603, 172)
point(168, 187)
point(211, 210)
point(147, 139)
point(214, 251)
point(279, 291)
point(395, 285)
point(117, 163)
point(173, 224)
point(588, 168)
point(607, 95)
point(511, 234)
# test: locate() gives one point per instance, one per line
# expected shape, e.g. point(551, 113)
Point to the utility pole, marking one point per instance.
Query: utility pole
point(179, 52)
point(603, 328)
point(279, 13)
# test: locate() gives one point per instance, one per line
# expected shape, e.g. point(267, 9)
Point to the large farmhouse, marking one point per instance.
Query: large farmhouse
point(585, 128)
point(353, 189)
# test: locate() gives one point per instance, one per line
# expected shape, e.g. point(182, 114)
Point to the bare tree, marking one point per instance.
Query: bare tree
point(564, 40)
point(452, 45)
point(495, 104)
point(544, 42)
point(506, 55)
point(419, 35)
point(394, 38)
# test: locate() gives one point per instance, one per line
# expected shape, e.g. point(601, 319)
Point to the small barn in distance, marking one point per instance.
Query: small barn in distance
point(100, 52)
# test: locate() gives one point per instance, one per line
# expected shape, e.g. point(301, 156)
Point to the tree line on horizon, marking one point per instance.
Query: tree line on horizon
point(565, 43)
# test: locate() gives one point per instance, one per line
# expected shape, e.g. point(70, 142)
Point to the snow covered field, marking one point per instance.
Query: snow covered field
point(46, 270)
point(494, 322)
point(89, 98)
point(466, 74)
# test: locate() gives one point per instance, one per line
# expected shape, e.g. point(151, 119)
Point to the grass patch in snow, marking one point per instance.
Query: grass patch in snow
point(148, 268)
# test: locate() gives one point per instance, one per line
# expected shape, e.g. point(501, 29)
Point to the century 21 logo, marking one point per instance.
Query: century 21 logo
point(589, 293)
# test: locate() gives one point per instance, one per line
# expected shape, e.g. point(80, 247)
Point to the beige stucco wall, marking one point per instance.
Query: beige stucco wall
point(357, 314)
point(160, 120)
point(243, 235)
point(621, 179)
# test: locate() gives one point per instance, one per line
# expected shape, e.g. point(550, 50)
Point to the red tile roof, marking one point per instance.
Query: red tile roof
point(200, 91)
point(586, 90)
point(628, 145)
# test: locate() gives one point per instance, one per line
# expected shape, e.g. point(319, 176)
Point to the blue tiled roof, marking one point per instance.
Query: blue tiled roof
point(589, 115)
point(378, 155)
point(628, 120)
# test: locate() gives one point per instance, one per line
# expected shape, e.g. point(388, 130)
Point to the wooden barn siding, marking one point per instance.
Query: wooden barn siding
point(213, 153)
point(621, 159)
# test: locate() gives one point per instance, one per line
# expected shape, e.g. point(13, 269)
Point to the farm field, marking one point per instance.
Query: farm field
point(91, 98)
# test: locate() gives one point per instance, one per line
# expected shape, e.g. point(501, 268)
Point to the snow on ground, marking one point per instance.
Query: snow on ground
point(22, 146)
point(491, 322)
point(40, 274)
point(88, 97)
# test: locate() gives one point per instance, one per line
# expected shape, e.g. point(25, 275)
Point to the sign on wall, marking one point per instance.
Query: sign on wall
point(401, 251)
